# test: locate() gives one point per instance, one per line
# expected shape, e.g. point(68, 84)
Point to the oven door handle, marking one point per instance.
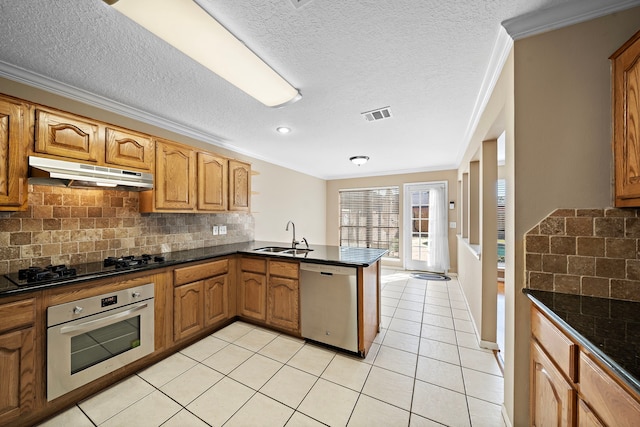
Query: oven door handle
point(103, 321)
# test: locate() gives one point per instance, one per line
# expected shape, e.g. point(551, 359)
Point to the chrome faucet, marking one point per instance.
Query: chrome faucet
point(294, 242)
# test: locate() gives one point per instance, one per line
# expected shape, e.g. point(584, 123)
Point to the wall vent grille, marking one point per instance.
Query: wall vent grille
point(299, 3)
point(379, 114)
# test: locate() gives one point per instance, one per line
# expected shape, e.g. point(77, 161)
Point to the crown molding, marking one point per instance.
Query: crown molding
point(499, 55)
point(48, 84)
point(563, 15)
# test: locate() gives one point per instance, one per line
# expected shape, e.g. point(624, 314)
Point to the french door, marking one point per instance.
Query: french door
point(426, 245)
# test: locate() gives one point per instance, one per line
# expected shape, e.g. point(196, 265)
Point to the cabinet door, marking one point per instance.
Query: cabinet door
point(216, 303)
point(175, 177)
point(614, 405)
point(128, 149)
point(552, 397)
point(187, 310)
point(17, 370)
point(13, 161)
point(626, 122)
point(239, 186)
point(212, 182)
point(283, 303)
point(586, 417)
point(252, 295)
point(66, 135)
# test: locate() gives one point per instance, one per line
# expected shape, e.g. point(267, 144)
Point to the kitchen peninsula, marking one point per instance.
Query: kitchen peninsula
point(195, 292)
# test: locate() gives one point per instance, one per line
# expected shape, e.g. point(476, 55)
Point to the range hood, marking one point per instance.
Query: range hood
point(47, 171)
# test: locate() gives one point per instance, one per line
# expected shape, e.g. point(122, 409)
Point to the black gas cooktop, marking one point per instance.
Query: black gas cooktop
point(36, 275)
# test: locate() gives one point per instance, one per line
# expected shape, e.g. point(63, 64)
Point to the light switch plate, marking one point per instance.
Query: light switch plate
point(215, 230)
point(452, 224)
point(223, 229)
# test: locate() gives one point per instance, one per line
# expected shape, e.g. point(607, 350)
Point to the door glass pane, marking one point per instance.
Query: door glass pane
point(101, 344)
point(420, 225)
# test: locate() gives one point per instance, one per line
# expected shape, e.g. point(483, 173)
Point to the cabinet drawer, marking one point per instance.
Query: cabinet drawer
point(199, 272)
point(612, 404)
point(562, 350)
point(17, 314)
point(253, 264)
point(284, 269)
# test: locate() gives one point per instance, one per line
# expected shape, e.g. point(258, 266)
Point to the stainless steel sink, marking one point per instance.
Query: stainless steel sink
point(273, 249)
point(297, 251)
point(283, 251)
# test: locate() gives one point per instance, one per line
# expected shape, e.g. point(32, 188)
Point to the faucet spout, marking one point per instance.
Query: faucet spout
point(293, 240)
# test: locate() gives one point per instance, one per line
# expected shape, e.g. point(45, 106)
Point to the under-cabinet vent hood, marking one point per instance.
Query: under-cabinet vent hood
point(47, 171)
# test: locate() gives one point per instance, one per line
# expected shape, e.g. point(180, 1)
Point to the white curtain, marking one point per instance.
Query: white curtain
point(438, 256)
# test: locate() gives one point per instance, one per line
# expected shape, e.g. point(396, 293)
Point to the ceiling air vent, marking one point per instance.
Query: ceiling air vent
point(379, 114)
point(299, 3)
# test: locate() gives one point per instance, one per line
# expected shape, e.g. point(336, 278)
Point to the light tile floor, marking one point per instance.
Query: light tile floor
point(425, 369)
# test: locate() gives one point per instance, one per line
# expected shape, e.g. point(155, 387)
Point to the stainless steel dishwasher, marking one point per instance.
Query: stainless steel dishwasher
point(329, 305)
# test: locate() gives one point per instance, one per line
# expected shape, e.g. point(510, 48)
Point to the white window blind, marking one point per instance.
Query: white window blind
point(369, 218)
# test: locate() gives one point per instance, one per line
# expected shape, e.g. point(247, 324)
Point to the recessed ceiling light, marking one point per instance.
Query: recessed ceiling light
point(283, 129)
point(359, 160)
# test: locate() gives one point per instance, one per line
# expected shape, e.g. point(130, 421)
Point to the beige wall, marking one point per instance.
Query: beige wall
point(558, 155)
point(279, 194)
point(333, 186)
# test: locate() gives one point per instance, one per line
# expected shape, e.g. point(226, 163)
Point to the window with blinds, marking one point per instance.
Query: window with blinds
point(369, 218)
point(502, 195)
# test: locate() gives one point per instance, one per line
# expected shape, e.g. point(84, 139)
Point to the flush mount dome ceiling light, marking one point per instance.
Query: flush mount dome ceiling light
point(359, 160)
point(283, 130)
point(189, 28)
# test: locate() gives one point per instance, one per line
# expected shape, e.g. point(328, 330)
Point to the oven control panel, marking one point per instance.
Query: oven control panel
point(62, 313)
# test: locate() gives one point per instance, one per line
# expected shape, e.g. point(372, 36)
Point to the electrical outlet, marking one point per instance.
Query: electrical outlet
point(215, 230)
point(223, 229)
point(452, 224)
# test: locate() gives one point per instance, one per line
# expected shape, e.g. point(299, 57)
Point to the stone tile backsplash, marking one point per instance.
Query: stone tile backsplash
point(590, 252)
point(74, 226)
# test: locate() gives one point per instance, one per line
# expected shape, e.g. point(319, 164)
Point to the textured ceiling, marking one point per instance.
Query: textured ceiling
point(425, 59)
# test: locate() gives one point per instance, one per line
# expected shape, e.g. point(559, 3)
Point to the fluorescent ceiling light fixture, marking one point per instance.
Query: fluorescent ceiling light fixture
point(189, 28)
point(359, 160)
point(283, 129)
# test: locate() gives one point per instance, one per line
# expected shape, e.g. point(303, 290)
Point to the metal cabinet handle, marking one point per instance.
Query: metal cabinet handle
point(103, 321)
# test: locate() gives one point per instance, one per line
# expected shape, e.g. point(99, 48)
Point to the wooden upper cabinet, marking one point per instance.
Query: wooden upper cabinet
point(66, 135)
point(175, 178)
point(128, 149)
point(212, 182)
point(239, 186)
point(625, 69)
point(13, 160)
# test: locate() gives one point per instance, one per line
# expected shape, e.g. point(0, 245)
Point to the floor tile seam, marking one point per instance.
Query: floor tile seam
point(482, 372)
point(85, 414)
point(388, 403)
point(440, 360)
point(185, 406)
point(129, 405)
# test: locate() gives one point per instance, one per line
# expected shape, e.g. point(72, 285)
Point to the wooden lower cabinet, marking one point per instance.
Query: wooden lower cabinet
point(283, 303)
point(586, 417)
point(252, 295)
point(552, 397)
point(216, 299)
point(578, 391)
point(200, 297)
point(17, 360)
point(188, 310)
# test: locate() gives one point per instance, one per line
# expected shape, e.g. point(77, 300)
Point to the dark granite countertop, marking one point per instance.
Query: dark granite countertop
point(608, 328)
point(335, 255)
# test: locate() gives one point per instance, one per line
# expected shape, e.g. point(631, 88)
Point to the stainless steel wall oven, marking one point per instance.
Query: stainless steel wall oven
point(91, 337)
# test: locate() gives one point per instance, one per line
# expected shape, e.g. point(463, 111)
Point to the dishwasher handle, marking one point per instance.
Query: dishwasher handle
point(327, 269)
